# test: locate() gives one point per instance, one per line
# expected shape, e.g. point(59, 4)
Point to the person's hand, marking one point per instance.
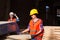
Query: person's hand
point(21, 33)
point(15, 15)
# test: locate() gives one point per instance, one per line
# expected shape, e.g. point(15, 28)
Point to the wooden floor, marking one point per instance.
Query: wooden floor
point(50, 33)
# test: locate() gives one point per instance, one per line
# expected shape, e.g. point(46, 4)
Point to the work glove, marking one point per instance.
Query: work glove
point(33, 36)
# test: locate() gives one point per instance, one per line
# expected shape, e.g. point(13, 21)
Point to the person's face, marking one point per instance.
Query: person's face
point(11, 16)
point(33, 16)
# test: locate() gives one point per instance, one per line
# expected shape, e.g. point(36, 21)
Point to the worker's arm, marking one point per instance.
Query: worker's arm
point(41, 28)
point(38, 32)
point(26, 30)
point(17, 18)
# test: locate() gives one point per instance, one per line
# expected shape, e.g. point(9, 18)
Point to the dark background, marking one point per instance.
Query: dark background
point(23, 7)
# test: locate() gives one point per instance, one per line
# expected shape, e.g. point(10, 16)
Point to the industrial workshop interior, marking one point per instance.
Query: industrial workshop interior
point(29, 19)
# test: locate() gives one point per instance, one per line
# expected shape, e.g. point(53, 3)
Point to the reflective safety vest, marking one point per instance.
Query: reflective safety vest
point(13, 26)
point(14, 20)
point(35, 27)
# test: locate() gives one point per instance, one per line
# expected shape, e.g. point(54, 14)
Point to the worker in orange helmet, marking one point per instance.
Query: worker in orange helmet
point(35, 26)
point(14, 19)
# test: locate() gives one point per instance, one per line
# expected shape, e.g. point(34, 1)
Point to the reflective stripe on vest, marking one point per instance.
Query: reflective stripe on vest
point(33, 31)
